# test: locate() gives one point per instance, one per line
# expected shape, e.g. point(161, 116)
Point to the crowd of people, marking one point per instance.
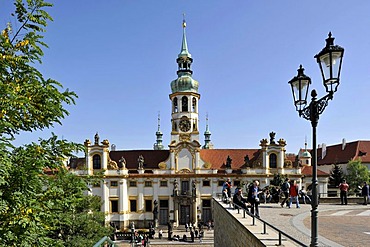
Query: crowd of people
point(195, 232)
point(289, 192)
point(286, 194)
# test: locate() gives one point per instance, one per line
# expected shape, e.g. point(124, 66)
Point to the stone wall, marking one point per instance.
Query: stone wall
point(229, 231)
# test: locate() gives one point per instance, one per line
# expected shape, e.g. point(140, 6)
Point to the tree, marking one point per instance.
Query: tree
point(278, 179)
point(41, 203)
point(336, 175)
point(357, 174)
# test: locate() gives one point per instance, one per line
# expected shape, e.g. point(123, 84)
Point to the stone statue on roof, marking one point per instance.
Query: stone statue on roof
point(96, 138)
point(272, 137)
point(228, 162)
point(247, 161)
point(122, 163)
point(140, 162)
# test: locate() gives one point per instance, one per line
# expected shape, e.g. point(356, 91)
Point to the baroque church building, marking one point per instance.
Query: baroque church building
point(177, 184)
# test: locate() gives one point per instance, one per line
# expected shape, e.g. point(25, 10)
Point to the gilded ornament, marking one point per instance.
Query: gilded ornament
point(263, 142)
point(162, 165)
point(207, 165)
point(282, 142)
point(185, 137)
point(87, 142)
point(112, 165)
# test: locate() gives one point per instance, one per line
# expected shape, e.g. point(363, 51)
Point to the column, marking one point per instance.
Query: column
point(140, 192)
point(105, 198)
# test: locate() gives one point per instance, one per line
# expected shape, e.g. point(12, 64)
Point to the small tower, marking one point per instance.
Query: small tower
point(305, 156)
point(207, 137)
point(158, 145)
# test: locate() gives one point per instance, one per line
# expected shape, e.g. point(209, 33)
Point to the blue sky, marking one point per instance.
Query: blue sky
point(120, 57)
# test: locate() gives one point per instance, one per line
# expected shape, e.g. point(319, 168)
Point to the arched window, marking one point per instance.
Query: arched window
point(273, 161)
point(194, 106)
point(96, 161)
point(184, 103)
point(175, 108)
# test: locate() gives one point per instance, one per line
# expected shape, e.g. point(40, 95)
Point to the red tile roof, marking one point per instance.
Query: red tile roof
point(307, 170)
point(352, 151)
point(151, 157)
point(217, 157)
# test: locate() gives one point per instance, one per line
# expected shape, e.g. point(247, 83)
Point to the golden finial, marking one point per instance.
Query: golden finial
point(183, 21)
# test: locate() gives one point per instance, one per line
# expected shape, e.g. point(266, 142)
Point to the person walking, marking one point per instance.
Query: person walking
point(285, 189)
point(253, 198)
point(365, 192)
point(303, 194)
point(343, 186)
point(225, 196)
point(227, 185)
point(293, 192)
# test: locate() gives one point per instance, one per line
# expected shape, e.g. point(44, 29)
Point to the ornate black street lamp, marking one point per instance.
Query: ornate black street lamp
point(132, 226)
point(330, 62)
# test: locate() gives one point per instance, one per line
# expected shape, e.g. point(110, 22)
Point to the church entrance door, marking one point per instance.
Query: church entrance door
point(184, 214)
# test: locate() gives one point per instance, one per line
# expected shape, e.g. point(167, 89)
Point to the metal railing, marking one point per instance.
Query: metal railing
point(103, 241)
point(265, 225)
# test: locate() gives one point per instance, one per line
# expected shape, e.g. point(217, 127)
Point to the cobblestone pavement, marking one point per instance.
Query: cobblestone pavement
point(338, 225)
point(207, 240)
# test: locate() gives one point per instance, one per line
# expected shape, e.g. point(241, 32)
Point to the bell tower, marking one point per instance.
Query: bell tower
point(184, 98)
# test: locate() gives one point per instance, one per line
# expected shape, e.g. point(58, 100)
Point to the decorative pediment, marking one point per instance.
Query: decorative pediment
point(185, 137)
point(184, 171)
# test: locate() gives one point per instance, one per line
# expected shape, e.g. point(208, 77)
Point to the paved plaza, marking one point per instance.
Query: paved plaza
point(339, 225)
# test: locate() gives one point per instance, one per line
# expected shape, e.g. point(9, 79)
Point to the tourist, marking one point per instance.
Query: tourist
point(253, 198)
point(225, 196)
point(365, 193)
point(293, 192)
point(201, 235)
point(285, 190)
point(303, 194)
point(239, 200)
point(227, 185)
point(343, 192)
point(266, 196)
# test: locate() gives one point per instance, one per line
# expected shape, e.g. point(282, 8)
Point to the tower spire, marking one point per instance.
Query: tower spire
point(207, 137)
point(184, 46)
point(158, 145)
point(305, 143)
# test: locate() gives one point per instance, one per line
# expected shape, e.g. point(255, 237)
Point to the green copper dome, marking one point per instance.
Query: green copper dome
point(184, 83)
point(306, 154)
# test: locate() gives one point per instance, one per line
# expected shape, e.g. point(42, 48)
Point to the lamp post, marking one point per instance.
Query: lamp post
point(330, 63)
point(132, 233)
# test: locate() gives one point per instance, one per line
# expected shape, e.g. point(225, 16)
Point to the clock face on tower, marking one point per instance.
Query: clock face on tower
point(184, 125)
